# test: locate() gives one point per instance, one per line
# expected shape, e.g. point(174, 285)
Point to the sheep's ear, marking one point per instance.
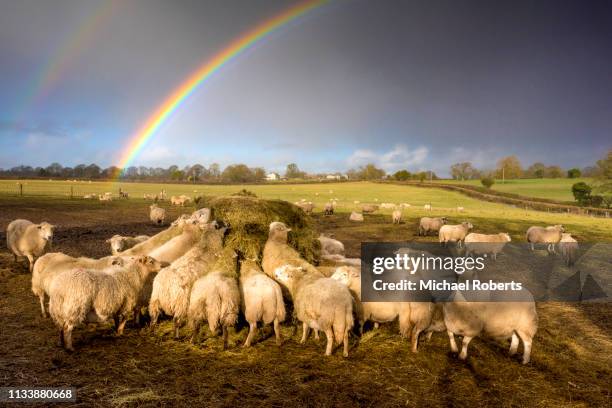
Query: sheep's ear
point(39, 226)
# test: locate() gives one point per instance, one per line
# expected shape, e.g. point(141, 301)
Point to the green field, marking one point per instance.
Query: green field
point(487, 216)
point(555, 189)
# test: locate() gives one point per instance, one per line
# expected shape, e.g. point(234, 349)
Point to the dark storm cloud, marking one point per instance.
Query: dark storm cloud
point(420, 84)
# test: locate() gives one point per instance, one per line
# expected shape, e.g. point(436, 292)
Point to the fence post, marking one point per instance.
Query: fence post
point(21, 189)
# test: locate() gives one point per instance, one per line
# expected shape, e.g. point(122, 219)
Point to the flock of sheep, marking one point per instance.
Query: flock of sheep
point(183, 272)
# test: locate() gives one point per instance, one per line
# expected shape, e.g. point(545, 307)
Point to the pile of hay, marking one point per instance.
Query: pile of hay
point(249, 219)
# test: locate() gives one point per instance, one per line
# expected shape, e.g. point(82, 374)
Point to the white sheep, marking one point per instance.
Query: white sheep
point(172, 285)
point(307, 206)
point(82, 295)
point(277, 252)
point(159, 239)
point(329, 208)
point(460, 209)
point(215, 298)
point(498, 319)
point(454, 233)
point(427, 207)
point(157, 215)
point(262, 300)
point(25, 238)
point(481, 244)
point(202, 215)
point(388, 206)
point(404, 205)
point(414, 317)
point(179, 245)
point(396, 217)
point(569, 247)
point(427, 224)
point(48, 266)
point(369, 208)
point(355, 216)
point(545, 235)
point(320, 303)
point(120, 243)
point(330, 246)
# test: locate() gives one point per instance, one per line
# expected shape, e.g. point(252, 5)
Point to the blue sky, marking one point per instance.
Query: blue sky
point(403, 84)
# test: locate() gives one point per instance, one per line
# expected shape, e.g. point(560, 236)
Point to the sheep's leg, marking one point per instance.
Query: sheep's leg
point(376, 325)
point(225, 334)
point(532, 246)
point(527, 340)
point(42, 305)
point(514, 344)
point(277, 332)
point(177, 325)
point(453, 344)
point(252, 331)
point(330, 341)
point(305, 330)
point(415, 339)
point(61, 337)
point(31, 260)
point(428, 335)
point(195, 332)
point(345, 340)
point(316, 335)
point(15, 257)
point(466, 342)
point(121, 325)
point(495, 256)
point(68, 337)
point(361, 328)
point(137, 317)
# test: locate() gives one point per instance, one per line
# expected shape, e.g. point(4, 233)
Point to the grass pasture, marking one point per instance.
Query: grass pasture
point(559, 189)
point(571, 363)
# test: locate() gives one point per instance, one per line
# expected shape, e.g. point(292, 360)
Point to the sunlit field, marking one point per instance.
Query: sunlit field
point(555, 189)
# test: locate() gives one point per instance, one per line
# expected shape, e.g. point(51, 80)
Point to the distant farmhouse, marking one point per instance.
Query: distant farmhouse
point(272, 177)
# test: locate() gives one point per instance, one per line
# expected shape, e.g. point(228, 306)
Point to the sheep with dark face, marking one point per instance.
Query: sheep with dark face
point(157, 215)
point(27, 239)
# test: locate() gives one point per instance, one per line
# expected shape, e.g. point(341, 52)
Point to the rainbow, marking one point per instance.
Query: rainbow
point(180, 94)
point(78, 40)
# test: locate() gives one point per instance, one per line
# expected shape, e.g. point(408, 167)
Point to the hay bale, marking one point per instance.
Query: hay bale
point(249, 219)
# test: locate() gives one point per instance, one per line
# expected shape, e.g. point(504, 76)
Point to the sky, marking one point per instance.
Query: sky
point(401, 84)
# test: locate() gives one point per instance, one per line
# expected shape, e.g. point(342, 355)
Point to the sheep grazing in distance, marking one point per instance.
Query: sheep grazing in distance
point(186, 199)
point(396, 217)
point(428, 224)
point(91, 196)
point(404, 205)
point(369, 208)
point(124, 195)
point(388, 206)
point(106, 197)
point(307, 206)
point(178, 201)
point(48, 266)
point(329, 209)
point(569, 248)
point(77, 296)
point(355, 216)
point(414, 317)
point(545, 235)
point(356, 202)
point(330, 246)
point(460, 209)
point(157, 215)
point(262, 300)
point(427, 207)
point(171, 287)
point(149, 196)
point(498, 319)
point(320, 303)
point(24, 238)
point(215, 298)
point(120, 243)
point(481, 244)
point(454, 233)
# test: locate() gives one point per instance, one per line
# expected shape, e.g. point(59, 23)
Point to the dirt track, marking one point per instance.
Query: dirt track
point(570, 362)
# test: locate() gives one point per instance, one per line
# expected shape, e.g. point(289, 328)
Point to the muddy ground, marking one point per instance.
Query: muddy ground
point(570, 361)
